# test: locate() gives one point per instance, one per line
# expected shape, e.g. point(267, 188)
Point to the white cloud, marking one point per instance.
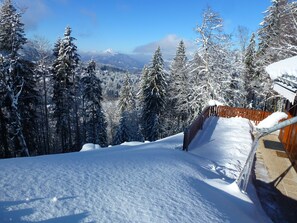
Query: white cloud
point(168, 46)
point(34, 11)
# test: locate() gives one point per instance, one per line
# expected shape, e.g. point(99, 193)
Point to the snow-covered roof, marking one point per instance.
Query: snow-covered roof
point(285, 91)
point(286, 66)
point(284, 75)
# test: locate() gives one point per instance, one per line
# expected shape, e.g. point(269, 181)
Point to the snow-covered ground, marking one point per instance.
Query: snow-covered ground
point(137, 182)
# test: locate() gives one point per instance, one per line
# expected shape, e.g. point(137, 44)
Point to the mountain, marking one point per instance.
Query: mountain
point(114, 59)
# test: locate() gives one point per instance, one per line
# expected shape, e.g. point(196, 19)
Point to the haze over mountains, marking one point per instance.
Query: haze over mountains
point(129, 62)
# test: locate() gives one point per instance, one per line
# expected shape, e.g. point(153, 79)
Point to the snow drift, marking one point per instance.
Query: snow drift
point(272, 120)
point(151, 182)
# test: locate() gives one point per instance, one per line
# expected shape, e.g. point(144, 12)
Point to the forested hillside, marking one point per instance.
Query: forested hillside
point(51, 101)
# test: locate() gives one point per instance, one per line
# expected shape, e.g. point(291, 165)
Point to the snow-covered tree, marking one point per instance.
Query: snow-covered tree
point(236, 91)
point(271, 32)
point(127, 98)
point(288, 41)
point(64, 93)
point(154, 98)
point(211, 67)
point(128, 129)
point(17, 80)
point(178, 92)
point(96, 125)
point(277, 41)
point(12, 36)
point(251, 75)
point(242, 40)
point(197, 86)
point(39, 50)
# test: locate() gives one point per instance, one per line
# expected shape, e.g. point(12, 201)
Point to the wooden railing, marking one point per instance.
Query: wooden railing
point(288, 137)
point(254, 115)
point(224, 112)
point(193, 129)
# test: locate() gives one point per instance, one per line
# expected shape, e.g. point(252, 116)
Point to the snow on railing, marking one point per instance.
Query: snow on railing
point(221, 111)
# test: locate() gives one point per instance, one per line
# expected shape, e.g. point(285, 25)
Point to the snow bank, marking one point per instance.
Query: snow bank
point(89, 146)
point(226, 144)
point(272, 120)
point(287, 66)
point(151, 182)
point(133, 143)
point(215, 103)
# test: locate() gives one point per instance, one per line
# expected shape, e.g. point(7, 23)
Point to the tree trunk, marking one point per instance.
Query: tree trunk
point(17, 129)
point(4, 142)
point(46, 116)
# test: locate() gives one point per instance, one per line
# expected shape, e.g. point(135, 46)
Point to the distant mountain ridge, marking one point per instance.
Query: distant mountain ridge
point(131, 63)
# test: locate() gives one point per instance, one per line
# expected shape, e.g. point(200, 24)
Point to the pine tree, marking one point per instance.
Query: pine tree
point(273, 36)
point(96, 125)
point(178, 104)
point(250, 71)
point(12, 36)
point(271, 33)
point(64, 96)
point(128, 129)
point(154, 98)
point(237, 92)
point(197, 86)
point(39, 50)
point(18, 80)
point(214, 68)
point(127, 98)
point(288, 41)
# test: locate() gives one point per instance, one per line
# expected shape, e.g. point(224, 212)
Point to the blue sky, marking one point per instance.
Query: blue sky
point(133, 26)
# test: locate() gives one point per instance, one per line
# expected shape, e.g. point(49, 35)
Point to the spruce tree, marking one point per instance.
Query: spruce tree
point(96, 125)
point(39, 50)
point(128, 129)
point(197, 85)
point(250, 71)
point(271, 33)
point(12, 35)
point(178, 90)
point(154, 98)
point(18, 80)
point(64, 76)
point(127, 98)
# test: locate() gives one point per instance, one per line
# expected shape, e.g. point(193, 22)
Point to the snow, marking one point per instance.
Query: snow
point(133, 143)
point(272, 120)
point(286, 91)
point(214, 103)
point(89, 146)
point(109, 51)
point(148, 182)
point(287, 66)
point(226, 145)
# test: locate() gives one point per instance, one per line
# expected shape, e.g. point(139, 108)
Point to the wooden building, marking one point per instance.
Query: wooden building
point(284, 76)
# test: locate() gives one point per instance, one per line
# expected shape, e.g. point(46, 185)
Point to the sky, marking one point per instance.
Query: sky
point(133, 26)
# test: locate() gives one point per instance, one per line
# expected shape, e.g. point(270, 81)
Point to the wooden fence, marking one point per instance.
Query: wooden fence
point(193, 129)
point(288, 137)
point(254, 115)
point(224, 112)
